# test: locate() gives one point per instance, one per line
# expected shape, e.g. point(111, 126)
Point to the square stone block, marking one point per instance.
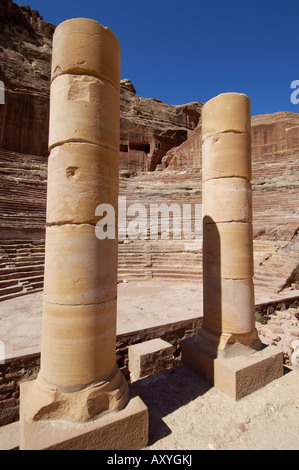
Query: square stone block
point(121, 430)
point(149, 357)
point(235, 376)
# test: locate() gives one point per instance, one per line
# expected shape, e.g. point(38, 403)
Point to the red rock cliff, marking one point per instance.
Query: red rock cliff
point(25, 58)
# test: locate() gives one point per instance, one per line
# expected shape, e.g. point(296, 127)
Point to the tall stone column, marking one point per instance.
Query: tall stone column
point(228, 331)
point(79, 378)
point(228, 290)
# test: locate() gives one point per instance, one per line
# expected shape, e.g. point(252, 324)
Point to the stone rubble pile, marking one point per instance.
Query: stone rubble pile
point(280, 328)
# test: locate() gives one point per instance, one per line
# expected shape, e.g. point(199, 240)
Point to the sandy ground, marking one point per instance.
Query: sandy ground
point(188, 414)
point(141, 304)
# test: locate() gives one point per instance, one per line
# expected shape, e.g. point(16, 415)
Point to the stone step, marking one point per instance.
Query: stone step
point(183, 276)
point(128, 270)
point(20, 269)
point(15, 245)
point(178, 269)
point(132, 277)
point(8, 283)
point(126, 261)
point(20, 294)
point(31, 280)
point(10, 290)
point(31, 250)
point(22, 257)
point(37, 285)
point(131, 252)
point(20, 247)
point(24, 274)
point(28, 262)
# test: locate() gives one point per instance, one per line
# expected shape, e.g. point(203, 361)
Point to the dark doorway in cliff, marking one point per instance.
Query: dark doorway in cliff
point(123, 148)
point(140, 146)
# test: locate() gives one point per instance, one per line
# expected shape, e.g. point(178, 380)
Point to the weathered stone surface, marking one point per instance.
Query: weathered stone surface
point(295, 353)
point(235, 376)
point(86, 99)
point(280, 328)
point(125, 430)
point(128, 85)
point(149, 128)
point(29, 20)
point(228, 156)
point(186, 156)
point(97, 58)
point(227, 112)
point(149, 357)
point(23, 183)
point(73, 194)
point(227, 200)
point(25, 57)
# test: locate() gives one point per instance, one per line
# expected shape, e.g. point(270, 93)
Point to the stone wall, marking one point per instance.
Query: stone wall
point(21, 108)
point(12, 372)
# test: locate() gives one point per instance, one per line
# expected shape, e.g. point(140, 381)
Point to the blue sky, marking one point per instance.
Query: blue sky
point(192, 50)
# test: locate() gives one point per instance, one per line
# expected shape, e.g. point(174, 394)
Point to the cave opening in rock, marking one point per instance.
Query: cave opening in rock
point(141, 146)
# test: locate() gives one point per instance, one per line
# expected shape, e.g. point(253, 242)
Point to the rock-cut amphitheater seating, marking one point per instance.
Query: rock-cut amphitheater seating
point(21, 267)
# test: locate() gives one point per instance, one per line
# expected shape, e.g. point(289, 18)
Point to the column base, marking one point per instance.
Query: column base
point(126, 429)
point(236, 374)
point(43, 401)
point(227, 344)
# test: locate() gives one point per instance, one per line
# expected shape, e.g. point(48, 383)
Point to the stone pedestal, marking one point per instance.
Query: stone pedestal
point(239, 373)
point(149, 357)
point(126, 429)
point(79, 381)
point(227, 344)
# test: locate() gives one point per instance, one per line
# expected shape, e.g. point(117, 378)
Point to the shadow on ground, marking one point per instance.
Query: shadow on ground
point(165, 392)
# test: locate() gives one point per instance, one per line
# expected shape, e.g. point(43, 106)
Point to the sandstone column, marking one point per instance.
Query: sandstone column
point(79, 378)
point(228, 329)
point(227, 223)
